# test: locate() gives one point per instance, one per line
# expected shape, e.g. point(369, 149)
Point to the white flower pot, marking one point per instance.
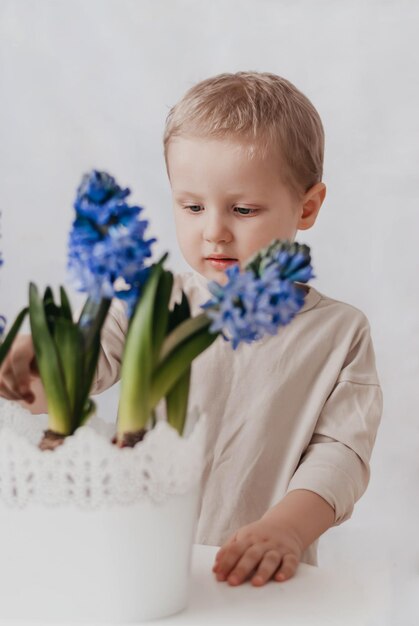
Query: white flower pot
point(90, 532)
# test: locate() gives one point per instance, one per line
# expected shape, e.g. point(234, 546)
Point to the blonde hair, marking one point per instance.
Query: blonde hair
point(264, 109)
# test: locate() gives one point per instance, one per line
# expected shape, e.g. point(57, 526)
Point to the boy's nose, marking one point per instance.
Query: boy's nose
point(216, 230)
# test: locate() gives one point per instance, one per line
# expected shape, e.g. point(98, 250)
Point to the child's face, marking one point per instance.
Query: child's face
point(227, 204)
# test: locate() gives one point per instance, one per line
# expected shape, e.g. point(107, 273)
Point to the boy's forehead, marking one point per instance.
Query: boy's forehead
point(186, 155)
point(222, 169)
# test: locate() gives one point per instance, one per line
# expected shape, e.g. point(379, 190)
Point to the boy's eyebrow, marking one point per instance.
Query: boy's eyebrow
point(233, 195)
point(190, 196)
point(183, 192)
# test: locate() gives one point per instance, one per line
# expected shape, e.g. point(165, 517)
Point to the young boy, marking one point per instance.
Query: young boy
point(293, 417)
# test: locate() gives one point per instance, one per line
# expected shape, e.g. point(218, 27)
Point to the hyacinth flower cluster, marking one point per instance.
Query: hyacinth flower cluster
point(162, 344)
point(106, 258)
point(263, 297)
point(107, 247)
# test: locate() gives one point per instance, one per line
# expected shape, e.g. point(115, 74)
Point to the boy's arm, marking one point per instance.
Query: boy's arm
point(336, 463)
point(332, 475)
point(272, 546)
point(305, 513)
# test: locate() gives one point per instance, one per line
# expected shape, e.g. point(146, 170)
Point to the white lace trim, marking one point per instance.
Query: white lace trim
point(88, 470)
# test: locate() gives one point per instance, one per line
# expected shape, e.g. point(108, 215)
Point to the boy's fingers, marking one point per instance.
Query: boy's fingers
point(288, 568)
point(20, 368)
point(225, 546)
point(247, 563)
point(227, 559)
point(21, 362)
point(7, 392)
point(7, 382)
point(28, 397)
point(17, 370)
point(267, 567)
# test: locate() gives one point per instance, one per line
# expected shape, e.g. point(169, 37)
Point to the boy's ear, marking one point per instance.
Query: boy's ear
point(310, 206)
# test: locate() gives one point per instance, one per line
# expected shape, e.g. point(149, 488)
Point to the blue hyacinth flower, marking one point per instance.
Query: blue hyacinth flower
point(99, 198)
point(263, 297)
point(107, 245)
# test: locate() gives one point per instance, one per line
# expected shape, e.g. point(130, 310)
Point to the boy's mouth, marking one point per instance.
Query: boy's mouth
point(220, 262)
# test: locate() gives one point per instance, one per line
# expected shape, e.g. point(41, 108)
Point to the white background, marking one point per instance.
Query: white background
point(87, 84)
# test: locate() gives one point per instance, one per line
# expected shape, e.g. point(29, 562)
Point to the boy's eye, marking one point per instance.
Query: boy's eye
point(242, 211)
point(193, 208)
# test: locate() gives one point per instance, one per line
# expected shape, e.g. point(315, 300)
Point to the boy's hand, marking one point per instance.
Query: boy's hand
point(18, 370)
point(259, 551)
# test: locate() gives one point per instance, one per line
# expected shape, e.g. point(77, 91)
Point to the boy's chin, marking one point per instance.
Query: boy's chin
point(219, 275)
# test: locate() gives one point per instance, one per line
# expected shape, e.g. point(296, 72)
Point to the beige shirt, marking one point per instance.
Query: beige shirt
point(298, 410)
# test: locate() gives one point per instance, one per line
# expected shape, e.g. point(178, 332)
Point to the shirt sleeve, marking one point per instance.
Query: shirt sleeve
point(335, 465)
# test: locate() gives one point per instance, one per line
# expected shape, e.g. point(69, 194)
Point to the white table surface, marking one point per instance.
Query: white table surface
point(378, 590)
point(313, 597)
point(384, 593)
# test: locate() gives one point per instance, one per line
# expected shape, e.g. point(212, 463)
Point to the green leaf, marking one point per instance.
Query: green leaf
point(65, 305)
point(48, 296)
point(90, 363)
point(88, 312)
point(177, 402)
point(180, 313)
point(52, 311)
point(161, 311)
point(69, 345)
point(177, 362)
point(88, 410)
point(92, 318)
point(95, 314)
point(134, 405)
point(183, 332)
point(8, 340)
point(49, 366)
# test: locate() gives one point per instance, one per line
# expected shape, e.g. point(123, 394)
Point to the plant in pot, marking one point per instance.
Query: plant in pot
point(115, 522)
